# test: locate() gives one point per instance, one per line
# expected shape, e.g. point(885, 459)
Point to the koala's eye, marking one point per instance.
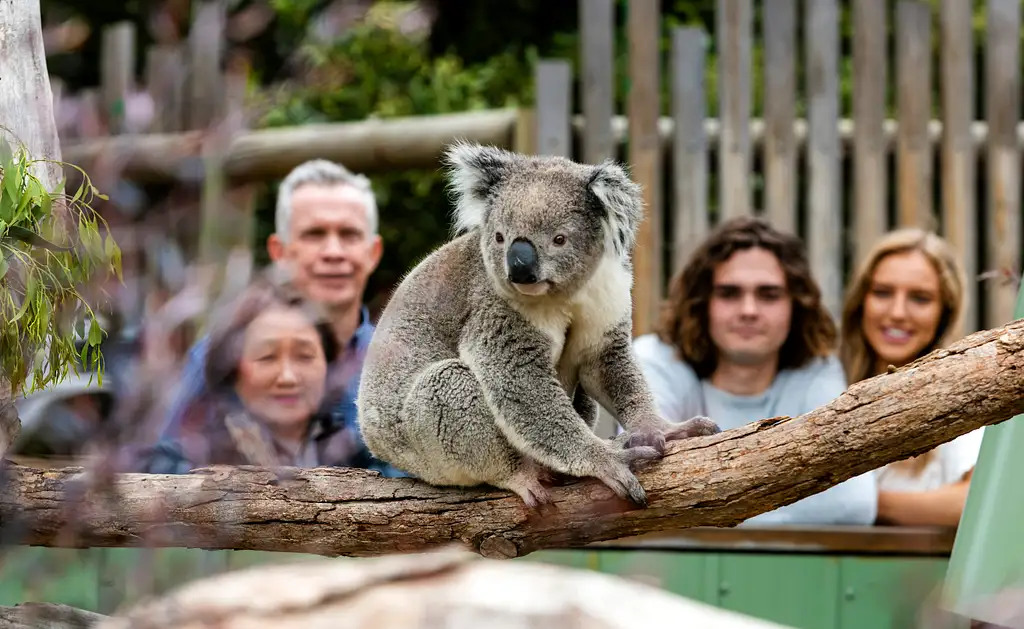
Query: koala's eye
point(559, 239)
point(498, 238)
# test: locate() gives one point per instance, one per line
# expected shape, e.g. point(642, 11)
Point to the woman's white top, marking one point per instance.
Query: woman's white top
point(949, 463)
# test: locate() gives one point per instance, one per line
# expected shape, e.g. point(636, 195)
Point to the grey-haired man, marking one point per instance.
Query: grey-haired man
point(326, 236)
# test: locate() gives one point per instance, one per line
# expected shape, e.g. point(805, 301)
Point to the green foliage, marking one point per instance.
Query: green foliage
point(42, 312)
point(374, 71)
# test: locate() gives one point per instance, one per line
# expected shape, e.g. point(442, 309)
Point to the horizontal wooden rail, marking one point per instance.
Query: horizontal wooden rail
point(391, 144)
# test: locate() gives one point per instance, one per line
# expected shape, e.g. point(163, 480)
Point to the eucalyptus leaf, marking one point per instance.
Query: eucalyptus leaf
point(7, 208)
point(95, 333)
point(42, 208)
point(40, 338)
point(6, 154)
point(30, 295)
point(14, 176)
point(14, 232)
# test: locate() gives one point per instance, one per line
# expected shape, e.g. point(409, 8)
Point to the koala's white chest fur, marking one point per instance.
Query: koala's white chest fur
point(578, 325)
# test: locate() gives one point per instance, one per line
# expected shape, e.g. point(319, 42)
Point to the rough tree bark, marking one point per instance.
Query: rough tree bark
point(711, 481)
point(26, 113)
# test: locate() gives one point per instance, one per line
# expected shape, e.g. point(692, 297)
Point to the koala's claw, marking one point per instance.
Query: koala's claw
point(638, 455)
point(626, 486)
point(618, 474)
point(646, 438)
point(532, 494)
point(656, 435)
point(698, 426)
point(528, 483)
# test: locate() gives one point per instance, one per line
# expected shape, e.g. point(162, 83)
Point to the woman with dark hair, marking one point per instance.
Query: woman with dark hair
point(269, 392)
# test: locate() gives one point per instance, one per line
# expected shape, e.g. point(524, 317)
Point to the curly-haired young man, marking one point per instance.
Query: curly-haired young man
point(744, 336)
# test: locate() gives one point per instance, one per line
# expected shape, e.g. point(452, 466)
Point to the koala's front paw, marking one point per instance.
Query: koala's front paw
point(698, 426)
point(655, 434)
point(616, 472)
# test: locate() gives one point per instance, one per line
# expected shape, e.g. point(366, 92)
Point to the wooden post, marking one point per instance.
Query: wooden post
point(1002, 111)
point(959, 211)
point(644, 25)
point(914, 151)
point(689, 144)
point(165, 81)
point(597, 57)
point(870, 168)
point(734, 26)
point(117, 72)
point(206, 49)
point(824, 218)
point(554, 107)
point(780, 43)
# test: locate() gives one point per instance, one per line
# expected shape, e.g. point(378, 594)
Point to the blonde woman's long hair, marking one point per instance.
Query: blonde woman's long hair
point(858, 358)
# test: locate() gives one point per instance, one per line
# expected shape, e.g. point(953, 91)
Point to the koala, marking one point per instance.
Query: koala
point(489, 361)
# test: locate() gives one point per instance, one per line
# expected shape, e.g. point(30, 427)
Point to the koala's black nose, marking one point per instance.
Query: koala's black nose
point(522, 262)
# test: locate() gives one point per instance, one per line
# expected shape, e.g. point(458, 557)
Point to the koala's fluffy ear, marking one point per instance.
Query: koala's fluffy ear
point(621, 202)
point(473, 171)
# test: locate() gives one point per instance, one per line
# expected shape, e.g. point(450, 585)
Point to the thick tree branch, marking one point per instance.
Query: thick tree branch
point(711, 481)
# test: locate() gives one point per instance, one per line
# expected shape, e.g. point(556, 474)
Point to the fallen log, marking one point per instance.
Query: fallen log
point(718, 480)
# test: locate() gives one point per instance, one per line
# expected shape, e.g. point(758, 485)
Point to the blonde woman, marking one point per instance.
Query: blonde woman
point(904, 302)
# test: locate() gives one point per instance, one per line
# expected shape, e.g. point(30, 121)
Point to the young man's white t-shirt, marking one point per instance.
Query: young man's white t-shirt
point(949, 462)
point(679, 395)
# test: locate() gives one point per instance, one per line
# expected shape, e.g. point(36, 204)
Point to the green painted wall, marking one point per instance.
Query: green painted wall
point(801, 590)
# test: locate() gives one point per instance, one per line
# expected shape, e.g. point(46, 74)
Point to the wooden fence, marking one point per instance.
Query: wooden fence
point(838, 178)
point(191, 96)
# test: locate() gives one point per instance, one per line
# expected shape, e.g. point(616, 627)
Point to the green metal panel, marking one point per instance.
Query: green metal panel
point(988, 554)
point(239, 559)
point(582, 559)
point(802, 590)
point(885, 593)
point(52, 575)
point(794, 590)
point(693, 575)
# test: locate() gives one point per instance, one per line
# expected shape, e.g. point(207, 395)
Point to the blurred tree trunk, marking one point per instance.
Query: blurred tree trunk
point(26, 115)
point(26, 102)
point(10, 425)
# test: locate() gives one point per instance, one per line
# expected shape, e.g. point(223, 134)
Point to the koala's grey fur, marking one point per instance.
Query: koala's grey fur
point(470, 381)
